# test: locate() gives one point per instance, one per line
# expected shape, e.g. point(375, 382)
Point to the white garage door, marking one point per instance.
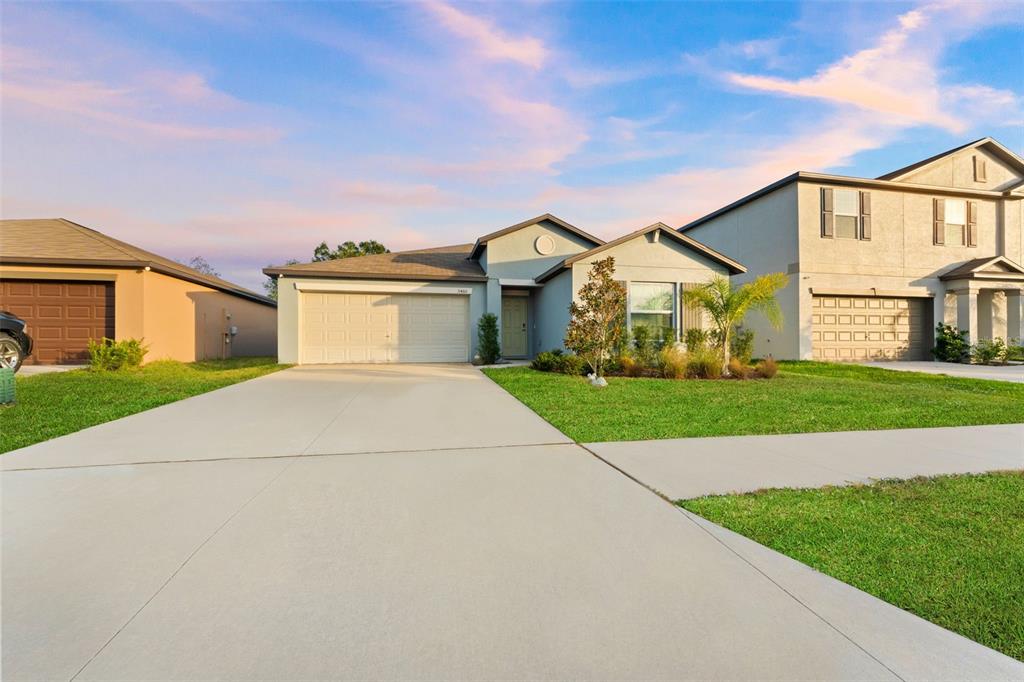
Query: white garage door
point(356, 327)
point(851, 328)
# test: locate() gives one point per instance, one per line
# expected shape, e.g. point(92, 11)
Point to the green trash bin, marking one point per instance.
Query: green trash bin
point(6, 386)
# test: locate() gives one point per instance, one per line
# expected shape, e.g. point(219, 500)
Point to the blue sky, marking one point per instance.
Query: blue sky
point(247, 133)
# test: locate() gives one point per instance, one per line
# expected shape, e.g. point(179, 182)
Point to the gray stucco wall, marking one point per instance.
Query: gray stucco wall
point(513, 256)
point(763, 236)
point(551, 307)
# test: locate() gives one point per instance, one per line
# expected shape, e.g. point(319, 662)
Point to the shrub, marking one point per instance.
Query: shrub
point(1015, 350)
point(695, 339)
point(547, 361)
point(666, 337)
point(672, 360)
point(989, 352)
point(487, 338)
point(767, 368)
point(573, 365)
point(739, 370)
point(110, 355)
point(951, 344)
point(643, 345)
point(704, 364)
point(630, 367)
point(742, 345)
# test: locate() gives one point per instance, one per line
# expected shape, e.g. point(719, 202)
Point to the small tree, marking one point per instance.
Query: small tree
point(727, 306)
point(597, 321)
point(487, 338)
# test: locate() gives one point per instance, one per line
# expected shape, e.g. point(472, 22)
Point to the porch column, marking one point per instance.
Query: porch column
point(1014, 315)
point(986, 311)
point(967, 313)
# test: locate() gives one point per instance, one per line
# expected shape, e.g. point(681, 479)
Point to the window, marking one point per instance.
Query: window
point(651, 304)
point(956, 222)
point(846, 213)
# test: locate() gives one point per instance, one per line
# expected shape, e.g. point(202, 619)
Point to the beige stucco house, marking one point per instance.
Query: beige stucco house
point(71, 283)
point(875, 264)
point(423, 306)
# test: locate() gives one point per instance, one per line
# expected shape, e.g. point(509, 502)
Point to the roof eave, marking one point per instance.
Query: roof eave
point(285, 272)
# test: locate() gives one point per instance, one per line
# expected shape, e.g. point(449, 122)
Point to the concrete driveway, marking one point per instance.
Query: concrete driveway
point(1014, 373)
point(451, 533)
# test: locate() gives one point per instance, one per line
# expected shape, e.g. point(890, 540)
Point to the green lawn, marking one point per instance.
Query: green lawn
point(950, 549)
point(804, 397)
point(51, 405)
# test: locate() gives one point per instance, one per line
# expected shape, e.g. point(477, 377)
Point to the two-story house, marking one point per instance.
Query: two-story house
point(424, 305)
point(875, 264)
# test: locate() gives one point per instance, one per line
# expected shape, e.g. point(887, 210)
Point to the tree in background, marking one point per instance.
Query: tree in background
point(200, 264)
point(270, 286)
point(597, 321)
point(348, 250)
point(728, 305)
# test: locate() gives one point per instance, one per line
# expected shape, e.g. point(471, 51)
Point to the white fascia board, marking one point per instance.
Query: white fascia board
point(518, 283)
point(357, 286)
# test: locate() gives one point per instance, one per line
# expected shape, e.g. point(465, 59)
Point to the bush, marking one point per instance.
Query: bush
point(989, 352)
point(741, 345)
point(570, 364)
point(767, 368)
point(667, 337)
point(951, 344)
point(547, 361)
point(704, 364)
point(740, 370)
point(643, 345)
point(672, 360)
point(1015, 350)
point(109, 355)
point(487, 338)
point(630, 367)
point(695, 339)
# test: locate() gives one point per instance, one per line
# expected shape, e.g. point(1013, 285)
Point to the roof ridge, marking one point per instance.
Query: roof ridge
point(102, 238)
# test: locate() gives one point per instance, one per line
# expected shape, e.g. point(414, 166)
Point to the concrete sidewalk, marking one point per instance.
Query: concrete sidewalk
point(683, 468)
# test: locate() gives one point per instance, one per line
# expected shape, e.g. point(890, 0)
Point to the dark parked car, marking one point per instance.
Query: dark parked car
point(15, 344)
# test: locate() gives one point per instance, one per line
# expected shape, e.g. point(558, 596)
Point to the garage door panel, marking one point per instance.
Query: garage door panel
point(889, 328)
point(377, 328)
point(61, 316)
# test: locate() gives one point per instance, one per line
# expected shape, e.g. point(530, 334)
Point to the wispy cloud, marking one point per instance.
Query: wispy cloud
point(488, 40)
point(898, 77)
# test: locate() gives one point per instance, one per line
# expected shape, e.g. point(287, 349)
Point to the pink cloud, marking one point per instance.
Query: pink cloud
point(489, 40)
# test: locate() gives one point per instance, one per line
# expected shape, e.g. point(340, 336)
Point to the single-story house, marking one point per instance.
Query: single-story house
point(71, 284)
point(424, 305)
point(875, 264)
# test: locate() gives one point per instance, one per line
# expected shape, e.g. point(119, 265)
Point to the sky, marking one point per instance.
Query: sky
point(248, 133)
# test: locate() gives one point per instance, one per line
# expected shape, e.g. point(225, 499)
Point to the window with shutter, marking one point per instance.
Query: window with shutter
point(865, 215)
point(972, 223)
point(956, 222)
point(939, 221)
point(846, 209)
point(827, 217)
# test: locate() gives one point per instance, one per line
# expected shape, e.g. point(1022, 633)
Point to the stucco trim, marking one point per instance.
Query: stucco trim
point(518, 283)
point(383, 287)
point(878, 293)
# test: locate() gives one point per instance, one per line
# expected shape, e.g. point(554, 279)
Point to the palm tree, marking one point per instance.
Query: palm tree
point(727, 306)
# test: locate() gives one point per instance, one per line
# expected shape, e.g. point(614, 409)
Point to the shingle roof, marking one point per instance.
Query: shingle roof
point(441, 263)
point(56, 241)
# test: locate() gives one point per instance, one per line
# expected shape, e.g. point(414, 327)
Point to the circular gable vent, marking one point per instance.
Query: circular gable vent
point(544, 244)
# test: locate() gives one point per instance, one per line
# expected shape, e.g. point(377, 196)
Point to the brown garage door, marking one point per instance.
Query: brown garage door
point(62, 315)
point(851, 328)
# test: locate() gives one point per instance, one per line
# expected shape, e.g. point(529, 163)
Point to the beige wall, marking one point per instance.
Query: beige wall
point(957, 170)
point(763, 235)
point(178, 320)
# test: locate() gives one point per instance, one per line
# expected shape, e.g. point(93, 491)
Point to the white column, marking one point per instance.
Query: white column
point(985, 314)
point(1015, 315)
point(967, 313)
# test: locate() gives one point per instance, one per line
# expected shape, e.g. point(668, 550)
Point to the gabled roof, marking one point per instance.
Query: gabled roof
point(991, 267)
point(57, 241)
point(1001, 152)
point(478, 247)
point(442, 263)
point(663, 230)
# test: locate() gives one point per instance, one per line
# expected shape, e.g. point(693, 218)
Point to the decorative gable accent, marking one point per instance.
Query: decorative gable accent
point(997, 267)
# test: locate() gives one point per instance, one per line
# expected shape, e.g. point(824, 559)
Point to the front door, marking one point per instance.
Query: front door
point(513, 326)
